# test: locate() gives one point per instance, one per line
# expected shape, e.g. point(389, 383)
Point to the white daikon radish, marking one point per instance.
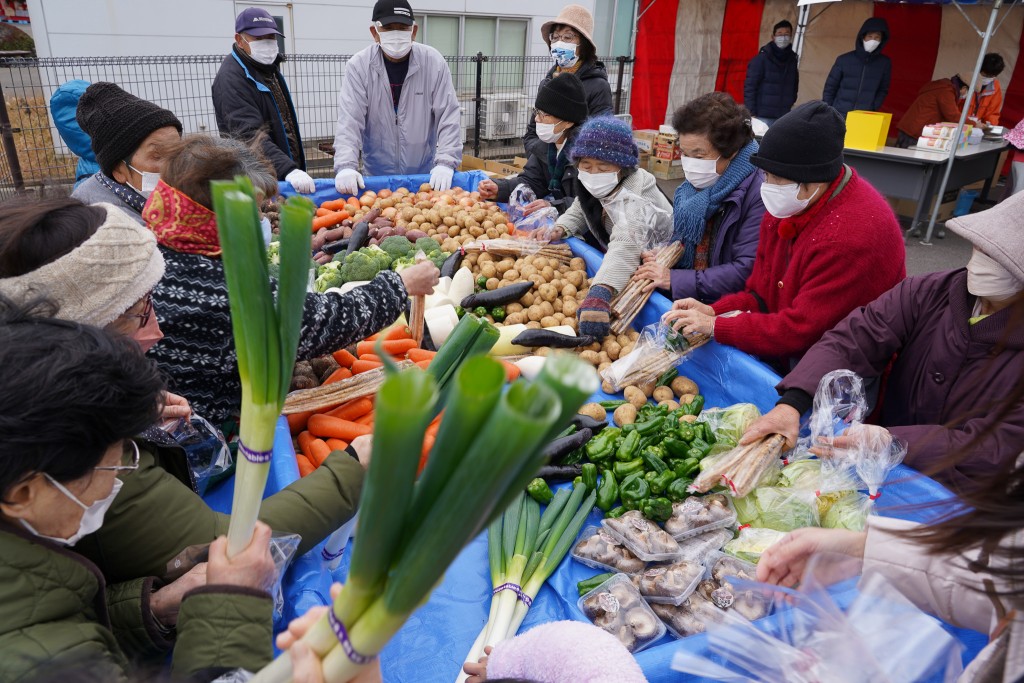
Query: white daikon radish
point(563, 329)
point(462, 285)
point(531, 366)
point(505, 347)
point(443, 285)
point(440, 322)
point(437, 299)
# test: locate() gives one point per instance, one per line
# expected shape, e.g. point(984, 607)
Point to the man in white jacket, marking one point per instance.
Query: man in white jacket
point(397, 106)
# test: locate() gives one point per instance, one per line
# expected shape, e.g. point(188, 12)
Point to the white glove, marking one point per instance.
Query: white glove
point(301, 182)
point(441, 178)
point(348, 181)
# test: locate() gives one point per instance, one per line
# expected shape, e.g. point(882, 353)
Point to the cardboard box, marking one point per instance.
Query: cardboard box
point(867, 129)
point(666, 169)
point(500, 169)
point(519, 162)
point(905, 207)
point(644, 140)
point(645, 160)
point(667, 151)
point(471, 163)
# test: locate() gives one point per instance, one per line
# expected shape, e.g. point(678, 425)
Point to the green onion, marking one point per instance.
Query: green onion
point(266, 333)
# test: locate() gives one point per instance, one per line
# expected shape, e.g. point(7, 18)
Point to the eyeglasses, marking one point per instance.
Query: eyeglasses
point(566, 36)
point(147, 311)
point(129, 459)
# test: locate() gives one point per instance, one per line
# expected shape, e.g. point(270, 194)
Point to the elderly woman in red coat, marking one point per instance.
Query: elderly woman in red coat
point(958, 339)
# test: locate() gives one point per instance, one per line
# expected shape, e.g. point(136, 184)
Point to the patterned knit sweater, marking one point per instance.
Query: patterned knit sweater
point(197, 353)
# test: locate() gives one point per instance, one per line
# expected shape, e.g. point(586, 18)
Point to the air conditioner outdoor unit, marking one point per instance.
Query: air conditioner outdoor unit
point(503, 116)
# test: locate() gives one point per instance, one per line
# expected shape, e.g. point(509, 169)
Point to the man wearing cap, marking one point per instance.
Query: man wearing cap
point(570, 41)
point(250, 95)
point(561, 108)
point(959, 349)
point(397, 106)
point(128, 137)
point(829, 243)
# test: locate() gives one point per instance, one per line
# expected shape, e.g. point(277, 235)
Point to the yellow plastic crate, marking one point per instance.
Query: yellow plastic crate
point(867, 129)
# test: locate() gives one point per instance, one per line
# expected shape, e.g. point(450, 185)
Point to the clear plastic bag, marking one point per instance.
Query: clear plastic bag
point(282, 549)
point(638, 220)
point(838, 403)
point(205, 447)
point(700, 514)
point(880, 638)
point(518, 200)
point(779, 508)
point(751, 543)
point(659, 348)
point(729, 424)
point(616, 607)
point(876, 453)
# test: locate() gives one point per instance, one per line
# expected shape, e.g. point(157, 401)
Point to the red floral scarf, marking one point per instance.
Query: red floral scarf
point(180, 223)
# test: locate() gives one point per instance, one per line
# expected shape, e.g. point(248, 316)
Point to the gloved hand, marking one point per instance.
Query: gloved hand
point(595, 312)
point(441, 178)
point(301, 182)
point(348, 181)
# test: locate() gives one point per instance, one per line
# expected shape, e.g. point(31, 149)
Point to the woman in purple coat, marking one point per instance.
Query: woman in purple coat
point(718, 210)
point(958, 342)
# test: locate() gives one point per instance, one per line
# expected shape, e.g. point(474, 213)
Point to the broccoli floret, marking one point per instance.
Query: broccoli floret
point(379, 255)
point(359, 266)
point(438, 258)
point(328, 276)
point(429, 245)
point(397, 246)
point(401, 264)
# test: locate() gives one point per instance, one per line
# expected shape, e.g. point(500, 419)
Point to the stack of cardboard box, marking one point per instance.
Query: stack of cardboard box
point(666, 158)
point(645, 140)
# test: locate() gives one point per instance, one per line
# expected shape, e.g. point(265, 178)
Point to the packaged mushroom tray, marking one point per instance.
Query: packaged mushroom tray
point(700, 514)
point(617, 607)
point(599, 549)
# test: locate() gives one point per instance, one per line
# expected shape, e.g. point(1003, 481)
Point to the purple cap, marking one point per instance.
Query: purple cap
point(256, 22)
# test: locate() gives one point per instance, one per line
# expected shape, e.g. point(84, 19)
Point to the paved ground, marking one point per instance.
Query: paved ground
point(943, 254)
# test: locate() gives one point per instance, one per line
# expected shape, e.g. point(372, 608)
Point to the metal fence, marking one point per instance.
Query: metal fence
point(496, 95)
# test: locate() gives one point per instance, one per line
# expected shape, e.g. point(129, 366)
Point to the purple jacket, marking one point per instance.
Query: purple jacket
point(949, 378)
point(732, 254)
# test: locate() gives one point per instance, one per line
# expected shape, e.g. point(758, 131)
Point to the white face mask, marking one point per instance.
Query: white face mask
point(599, 184)
point(701, 173)
point(263, 51)
point(987, 80)
point(871, 45)
point(546, 132)
point(783, 41)
point(149, 181)
point(92, 518)
point(564, 54)
point(781, 200)
point(987, 278)
point(396, 44)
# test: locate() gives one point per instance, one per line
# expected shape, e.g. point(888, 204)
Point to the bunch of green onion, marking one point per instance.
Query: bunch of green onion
point(488, 447)
point(266, 333)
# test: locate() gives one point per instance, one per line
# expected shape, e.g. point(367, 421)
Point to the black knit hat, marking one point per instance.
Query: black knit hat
point(564, 98)
point(118, 122)
point(805, 145)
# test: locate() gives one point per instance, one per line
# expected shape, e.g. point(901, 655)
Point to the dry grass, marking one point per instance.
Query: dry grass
point(39, 158)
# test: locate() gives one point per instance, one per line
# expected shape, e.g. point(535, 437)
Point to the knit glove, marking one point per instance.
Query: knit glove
point(595, 312)
point(301, 182)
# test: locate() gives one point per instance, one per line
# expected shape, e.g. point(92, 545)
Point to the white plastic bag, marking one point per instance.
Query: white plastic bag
point(659, 348)
point(639, 220)
point(518, 200)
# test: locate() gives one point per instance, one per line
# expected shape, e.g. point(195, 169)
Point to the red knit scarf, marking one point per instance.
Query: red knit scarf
point(790, 227)
point(180, 223)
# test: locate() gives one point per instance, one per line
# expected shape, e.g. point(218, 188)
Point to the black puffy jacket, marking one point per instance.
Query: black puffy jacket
point(860, 79)
point(772, 82)
point(538, 173)
point(599, 98)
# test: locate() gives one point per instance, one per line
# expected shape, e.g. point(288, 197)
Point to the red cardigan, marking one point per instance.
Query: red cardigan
point(846, 252)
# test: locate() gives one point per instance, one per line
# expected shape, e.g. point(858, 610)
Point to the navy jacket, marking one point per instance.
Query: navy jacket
point(537, 174)
point(860, 79)
point(772, 82)
point(599, 99)
point(244, 106)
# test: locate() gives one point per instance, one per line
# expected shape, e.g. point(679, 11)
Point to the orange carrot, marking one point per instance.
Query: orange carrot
point(334, 205)
point(318, 451)
point(344, 358)
point(371, 357)
point(304, 440)
point(337, 376)
point(423, 364)
point(336, 445)
point(511, 371)
point(352, 410)
point(329, 220)
point(428, 443)
point(366, 419)
point(326, 426)
point(297, 421)
point(397, 347)
point(364, 366)
point(323, 211)
point(305, 466)
point(417, 355)
point(393, 334)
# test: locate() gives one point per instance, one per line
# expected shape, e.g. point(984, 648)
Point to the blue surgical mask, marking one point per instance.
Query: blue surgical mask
point(564, 54)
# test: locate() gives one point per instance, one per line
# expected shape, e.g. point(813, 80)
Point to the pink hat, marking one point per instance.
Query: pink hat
point(1016, 136)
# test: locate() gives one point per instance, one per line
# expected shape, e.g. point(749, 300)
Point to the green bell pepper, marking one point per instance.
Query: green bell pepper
point(660, 483)
point(615, 512)
point(587, 585)
point(481, 282)
point(695, 406)
point(612, 405)
point(602, 446)
point(686, 432)
point(675, 448)
point(687, 468)
point(657, 509)
point(676, 491)
point(633, 491)
point(608, 491)
point(589, 476)
point(649, 476)
point(706, 433)
point(702, 446)
point(540, 491)
point(653, 461)
point(652, 426)
point(625, 469)
point(498, 313)
point(629, 448)
point(667, 377)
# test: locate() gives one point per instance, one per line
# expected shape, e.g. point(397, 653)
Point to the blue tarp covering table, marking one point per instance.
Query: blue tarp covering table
point(433, 643)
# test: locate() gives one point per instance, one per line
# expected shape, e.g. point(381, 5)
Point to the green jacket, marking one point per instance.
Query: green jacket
point(157, 516)
point(54, 615)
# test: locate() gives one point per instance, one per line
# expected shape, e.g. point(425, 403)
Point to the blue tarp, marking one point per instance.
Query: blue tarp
point(467, 180)
point(434, 642)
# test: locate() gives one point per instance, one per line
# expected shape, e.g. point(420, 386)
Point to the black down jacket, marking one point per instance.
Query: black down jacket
point(772, 82)
point(599, 100)
point(860, 79)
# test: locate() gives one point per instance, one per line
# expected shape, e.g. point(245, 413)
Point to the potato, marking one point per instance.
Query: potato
point(547, 308)
point(542, 351)
point(514, 307)
point(624, 415)
point(577, 278)
point(663, 394)
point(548, 321)
point(492, 283)
point(558, 306)
point(527, 299)
point(635, 396)
point(590, 357)
point(687, 418)
point(548, 273)
point(515, 318)
point(595, 411)
point(604, 357)
point(613, 349)
point(533, 325)
point(627, 349)
point(484, 257)
point(535, 313)
point(684, 385)
point(558, 316)
point(547, 292)
point(578, 264)
point(648, 387)
point(512, 275)
point(537, 281)
point(476, 232)
point(686, 399)
point(488, 270)
point(623, 339)
point(595, 347)
point(569, 307)
point(672, 405)
point(607, 387)
point(568, 290)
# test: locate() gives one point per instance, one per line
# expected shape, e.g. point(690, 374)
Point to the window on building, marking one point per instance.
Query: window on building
point(465, 36)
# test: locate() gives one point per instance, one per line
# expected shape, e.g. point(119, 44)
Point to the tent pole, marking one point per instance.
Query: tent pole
point(803, 14)
point(996, 4)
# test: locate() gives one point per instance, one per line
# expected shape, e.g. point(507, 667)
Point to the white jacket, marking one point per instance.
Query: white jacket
point(426, 130)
